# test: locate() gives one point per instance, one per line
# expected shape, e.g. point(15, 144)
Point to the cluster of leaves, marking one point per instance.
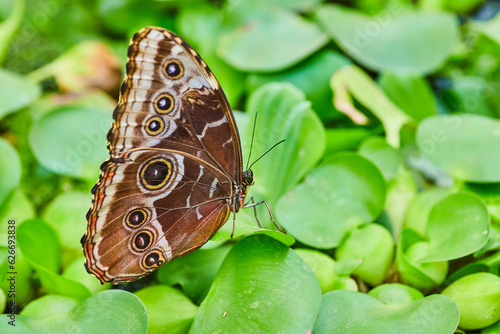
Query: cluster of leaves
point(388, 183)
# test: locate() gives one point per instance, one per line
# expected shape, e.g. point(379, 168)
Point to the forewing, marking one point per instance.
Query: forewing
point(184, 110)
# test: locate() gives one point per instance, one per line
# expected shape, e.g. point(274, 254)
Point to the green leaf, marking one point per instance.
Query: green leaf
point(71, 140)
point(201, 26)
point(113, 311)
point(478, 298)
point(168, 310)
point(411, 93)
point(465, 146)
point(41, 246)
point(76, 271)
point(458, 226)
point(194, 272)
point(66, 214)
point(400, 193)
point(17, 207)
point(340, 139)
point(402, 42)
point(372, 244)
point(8, 28)
point(24, 287)
point(395, 294)
point(262, 286)
point(311, 76)
point(322, 266)
point(468, 94)
point(48, 306)
point(269, 41)
point(283, 114)
point(351, 80)
point(16, 92)
point(245, 227)
point(385, 157)
point(10, 169)
point(417, 214)
point(3, 301)
point(333, 199)
point(423, 276)
point(355, 312)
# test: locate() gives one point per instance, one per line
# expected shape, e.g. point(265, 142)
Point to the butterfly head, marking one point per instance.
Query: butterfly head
point(248, 179)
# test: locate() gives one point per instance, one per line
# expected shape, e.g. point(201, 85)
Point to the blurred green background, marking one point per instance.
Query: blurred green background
point(388, 183)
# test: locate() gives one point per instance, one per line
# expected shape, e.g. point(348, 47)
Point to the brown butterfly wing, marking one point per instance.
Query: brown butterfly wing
point(198, 120)
point(175, 160)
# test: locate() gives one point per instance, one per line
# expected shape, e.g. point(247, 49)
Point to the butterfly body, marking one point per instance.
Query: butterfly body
point(175, 169)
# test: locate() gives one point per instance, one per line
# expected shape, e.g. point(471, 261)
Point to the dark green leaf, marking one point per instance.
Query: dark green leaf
point(396, 40)
point(334, 198)
point(262, 286)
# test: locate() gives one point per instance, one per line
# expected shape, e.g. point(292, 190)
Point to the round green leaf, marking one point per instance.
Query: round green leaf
point(478, 298)
point(458, 226)
point(406, 42)
point(283, 114)
point(465, 146)
point(262, 286)
point(10, 169)
point(354, 312)
point(71, 140)
point(333, 199)
point(270, 41)
point(16, 92)
point(112, 311)
point(372, 244)
point(169, 311)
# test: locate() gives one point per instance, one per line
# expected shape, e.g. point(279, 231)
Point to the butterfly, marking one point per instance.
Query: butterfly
point(174, 174)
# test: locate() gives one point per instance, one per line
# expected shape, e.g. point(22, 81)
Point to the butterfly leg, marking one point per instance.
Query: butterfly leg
point(234, 222)
point(250, 199)
point(268, 210)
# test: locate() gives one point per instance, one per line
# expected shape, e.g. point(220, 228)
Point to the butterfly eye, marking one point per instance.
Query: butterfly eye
point(154, 126)
point(136, 218)
point(164, 104)
point(173, 69)
point(248, 178)
point(142, 240)
point(155, 173)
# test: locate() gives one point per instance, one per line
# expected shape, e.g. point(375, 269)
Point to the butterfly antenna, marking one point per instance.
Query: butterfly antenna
point(253, 163)
point(251, 142)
